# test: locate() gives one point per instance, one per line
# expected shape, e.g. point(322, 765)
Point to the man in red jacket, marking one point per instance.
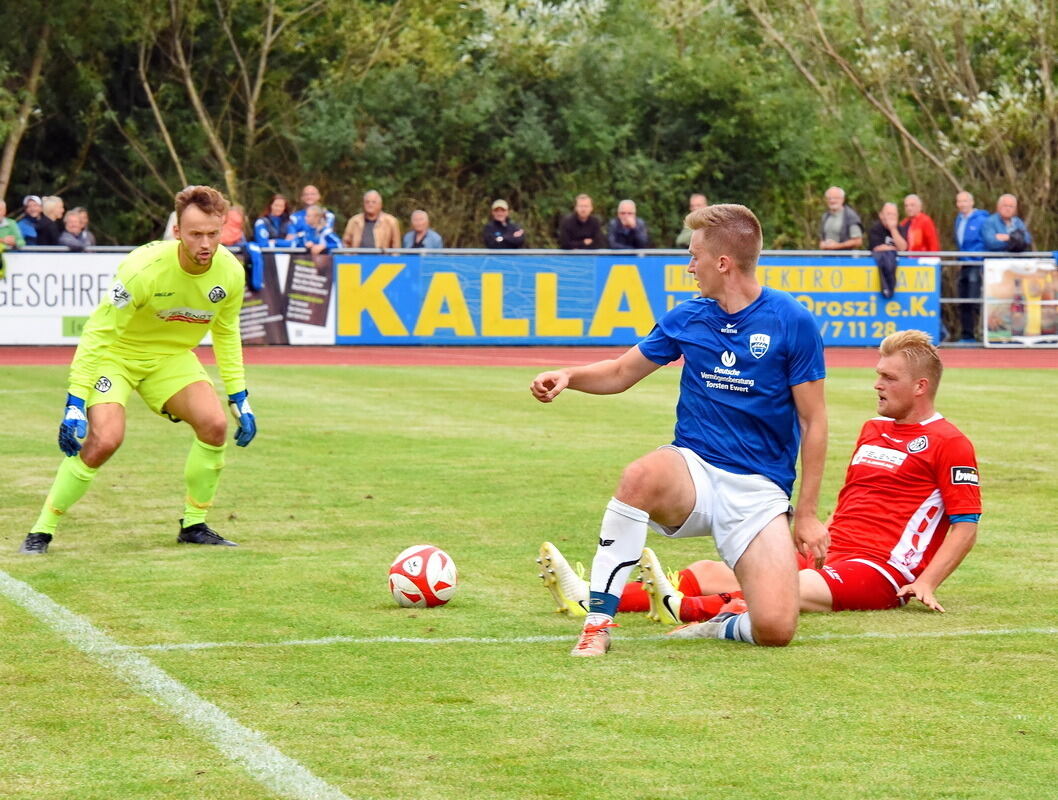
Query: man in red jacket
point(921, 232)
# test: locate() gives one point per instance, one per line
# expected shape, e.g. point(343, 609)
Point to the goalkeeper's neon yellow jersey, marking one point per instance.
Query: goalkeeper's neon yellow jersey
point(156, 309)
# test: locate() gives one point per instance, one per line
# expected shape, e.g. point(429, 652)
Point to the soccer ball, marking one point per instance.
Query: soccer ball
point(422, 576)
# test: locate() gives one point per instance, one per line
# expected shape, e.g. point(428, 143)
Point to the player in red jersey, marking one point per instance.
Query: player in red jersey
point(906, 516)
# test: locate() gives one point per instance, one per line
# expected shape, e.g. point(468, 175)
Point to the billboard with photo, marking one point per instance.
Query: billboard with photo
point(1021, 302)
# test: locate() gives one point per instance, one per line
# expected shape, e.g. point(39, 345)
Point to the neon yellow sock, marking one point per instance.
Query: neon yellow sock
point(202, 474)
point(71, 482)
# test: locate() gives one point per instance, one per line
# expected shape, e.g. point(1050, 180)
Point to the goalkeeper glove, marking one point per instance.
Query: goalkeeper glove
point(74, 426)
point(240, 409)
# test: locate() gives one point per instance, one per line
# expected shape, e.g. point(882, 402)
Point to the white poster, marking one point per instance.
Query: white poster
point(45, 298)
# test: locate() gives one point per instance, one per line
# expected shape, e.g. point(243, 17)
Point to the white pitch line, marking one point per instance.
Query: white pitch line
point(248, 748)
point(822, 637)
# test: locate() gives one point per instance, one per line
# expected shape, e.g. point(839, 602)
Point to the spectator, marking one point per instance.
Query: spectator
point(968, 224)
point(274, 228)
point(885, 238)
point(233, 234)
point(840, 227)
point(501, 232)
point(310, 196)
point(49, 229)
point(86, 235)
point(921, 232)
point(31, 219)
point(421, 234)
point(233, 231)
point(169, 232)
point(317, 236)
point(580, 230)
point(10, 235)
point(373, 227)
point(627, 231)
point(71, 236)
point(1005, 230)
point(694, 202)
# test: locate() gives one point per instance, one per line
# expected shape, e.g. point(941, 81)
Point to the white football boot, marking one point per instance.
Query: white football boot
point(568, 587)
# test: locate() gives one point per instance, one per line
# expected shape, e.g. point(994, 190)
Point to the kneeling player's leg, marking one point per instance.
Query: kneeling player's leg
point(767, 572)
point(656, 485)
point(198, 405)
point(814, 591)
point(106, 431)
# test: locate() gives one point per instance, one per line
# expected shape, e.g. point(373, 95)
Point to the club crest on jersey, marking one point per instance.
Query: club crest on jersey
point(119, 295)
point(918, 445)
point(103, 384)
point(965, 475)
point(758, 344)
point(727, 358)
point(217, 293)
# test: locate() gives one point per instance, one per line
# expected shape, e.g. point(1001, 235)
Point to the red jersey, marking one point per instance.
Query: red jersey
point(900, 488)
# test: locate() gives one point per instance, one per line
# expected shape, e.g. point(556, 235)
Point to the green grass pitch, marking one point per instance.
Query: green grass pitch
point(354, 464)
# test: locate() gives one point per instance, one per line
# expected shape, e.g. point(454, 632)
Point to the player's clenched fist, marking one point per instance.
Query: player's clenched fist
point(546, 386)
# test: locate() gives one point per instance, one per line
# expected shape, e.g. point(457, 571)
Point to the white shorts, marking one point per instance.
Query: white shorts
point(731, 508)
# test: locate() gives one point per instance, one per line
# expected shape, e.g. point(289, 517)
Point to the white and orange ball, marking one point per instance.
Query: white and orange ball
point(422, 576)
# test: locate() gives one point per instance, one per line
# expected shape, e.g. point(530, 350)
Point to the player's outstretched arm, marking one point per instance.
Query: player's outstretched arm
point(610, 376)
point(957, 544)
point(240, 409)
point(74, 426)
point(811, 536)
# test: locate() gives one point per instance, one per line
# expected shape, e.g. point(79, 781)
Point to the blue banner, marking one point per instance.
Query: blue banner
point(567, 299)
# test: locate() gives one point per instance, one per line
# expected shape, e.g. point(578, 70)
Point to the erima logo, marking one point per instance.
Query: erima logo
point(893, 438)
point(833, 573)
point(729, 328)
point(103, 384)
point(918, 445)
point(413, 566)
point(119, 296)
point(217, 293)
point(758, 344)
point(727, 359)
point(965, 475)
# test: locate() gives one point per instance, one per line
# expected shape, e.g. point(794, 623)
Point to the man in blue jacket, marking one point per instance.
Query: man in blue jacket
point(967, 234)
point(1005, 230)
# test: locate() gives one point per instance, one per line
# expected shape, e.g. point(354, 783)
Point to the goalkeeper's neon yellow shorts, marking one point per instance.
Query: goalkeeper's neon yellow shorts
point(156, 379)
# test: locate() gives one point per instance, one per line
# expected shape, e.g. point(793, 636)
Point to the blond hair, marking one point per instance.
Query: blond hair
point(922, 357)
point(208, 200)
point(731, 230)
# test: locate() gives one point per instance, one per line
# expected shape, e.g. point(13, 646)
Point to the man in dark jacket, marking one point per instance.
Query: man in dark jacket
point(580, 230)
point(502, 233)
point(627, 231)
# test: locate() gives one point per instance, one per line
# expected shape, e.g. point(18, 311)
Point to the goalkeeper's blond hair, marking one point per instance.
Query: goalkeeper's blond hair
point(922, 357)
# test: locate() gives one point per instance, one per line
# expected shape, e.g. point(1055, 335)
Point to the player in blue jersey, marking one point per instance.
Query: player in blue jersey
point(751, 394)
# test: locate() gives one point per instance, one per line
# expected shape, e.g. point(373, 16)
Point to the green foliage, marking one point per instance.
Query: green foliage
point(446, 106)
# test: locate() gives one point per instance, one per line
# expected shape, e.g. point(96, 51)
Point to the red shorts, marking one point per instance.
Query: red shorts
point(860, 584)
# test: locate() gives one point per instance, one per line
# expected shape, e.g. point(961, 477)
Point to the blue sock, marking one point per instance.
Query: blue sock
point(603, 603)
point(738, 628)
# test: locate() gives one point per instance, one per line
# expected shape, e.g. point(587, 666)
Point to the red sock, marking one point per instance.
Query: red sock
point(634, 598)
point(688, 584)
point(699, 609)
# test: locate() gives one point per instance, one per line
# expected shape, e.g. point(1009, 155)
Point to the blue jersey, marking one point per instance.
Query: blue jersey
point(736, 407)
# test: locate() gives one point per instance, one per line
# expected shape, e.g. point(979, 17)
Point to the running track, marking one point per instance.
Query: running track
point(542, 357)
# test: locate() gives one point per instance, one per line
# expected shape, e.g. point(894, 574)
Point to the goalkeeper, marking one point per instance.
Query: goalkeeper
point(165, 298)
